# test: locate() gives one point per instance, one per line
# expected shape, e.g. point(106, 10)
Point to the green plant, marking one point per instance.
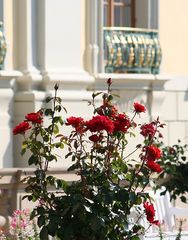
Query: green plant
point(112, 178)
point(175, 170)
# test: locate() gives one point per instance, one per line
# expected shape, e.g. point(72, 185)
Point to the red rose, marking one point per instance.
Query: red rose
point(99, 123)
point(138, 108)
point(34, 117)
point(74, 121)
point(155, 167)
point(153, 153)
point(148, 130)
point(150, 212)
point(21, 128)
point(77, 123)
point(121, 123)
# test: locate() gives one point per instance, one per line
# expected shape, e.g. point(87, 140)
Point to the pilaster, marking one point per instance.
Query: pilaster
point(6, 114)
point(25, 42)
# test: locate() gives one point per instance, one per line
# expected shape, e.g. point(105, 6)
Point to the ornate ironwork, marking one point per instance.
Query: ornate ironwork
point(131, 50)
point(3, 47)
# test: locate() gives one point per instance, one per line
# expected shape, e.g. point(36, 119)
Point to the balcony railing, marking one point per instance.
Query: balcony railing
point(131, 50)
point(2, 46)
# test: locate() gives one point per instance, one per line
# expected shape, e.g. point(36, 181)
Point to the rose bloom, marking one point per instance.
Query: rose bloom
point(155, 167)
point(74, 121)
point(121, 123)
point(150, 213)
point(77, 123)
point(34, 117)
point(138, 108)
point(99, 123)
point(148, 130)
point(153, 153)
point(21, 128)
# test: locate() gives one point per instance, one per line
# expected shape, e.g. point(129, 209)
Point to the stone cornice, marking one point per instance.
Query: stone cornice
point(132, 81)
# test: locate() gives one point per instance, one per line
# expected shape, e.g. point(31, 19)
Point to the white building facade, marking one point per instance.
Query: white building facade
point(63, 42)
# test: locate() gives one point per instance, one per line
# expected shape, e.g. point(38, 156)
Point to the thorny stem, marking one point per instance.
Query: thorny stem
point(53, 114)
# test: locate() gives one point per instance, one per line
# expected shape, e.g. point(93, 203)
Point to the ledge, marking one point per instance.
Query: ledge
point(12, 177)
point(178, 83)
point(78, 80)
point(131, 81)
point(10, 73)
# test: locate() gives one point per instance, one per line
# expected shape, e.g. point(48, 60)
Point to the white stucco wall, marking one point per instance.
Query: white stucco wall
point(58, 44)
point(173, 30)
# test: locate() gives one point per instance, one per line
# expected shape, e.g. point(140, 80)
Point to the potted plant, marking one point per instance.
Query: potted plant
point(112, 178)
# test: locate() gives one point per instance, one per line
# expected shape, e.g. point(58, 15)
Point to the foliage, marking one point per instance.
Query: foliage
point(112, 177)
point(175, 170)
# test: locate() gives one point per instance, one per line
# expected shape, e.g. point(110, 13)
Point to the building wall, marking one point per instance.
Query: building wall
point(43, 48)
point(173, 31)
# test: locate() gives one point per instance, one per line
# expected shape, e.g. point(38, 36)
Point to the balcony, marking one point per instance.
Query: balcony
point(131, 50)
point(2, 46)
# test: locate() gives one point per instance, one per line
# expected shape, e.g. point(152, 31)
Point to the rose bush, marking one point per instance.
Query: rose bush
point(112, 176)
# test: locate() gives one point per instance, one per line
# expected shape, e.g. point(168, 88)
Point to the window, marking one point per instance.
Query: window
point(119, 13)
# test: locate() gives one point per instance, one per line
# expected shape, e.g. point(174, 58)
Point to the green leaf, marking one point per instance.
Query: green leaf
point(24, 147)
point(46, 138)
point(33, 214)
point(58, 108)
point(33, 160)
point(96, 223)
point(51, 158)
point(73, 167)
point(122, 195)
point(110, 98)
point(55, 129)
point(183, 199)
point(48, 99)
point(68, 155)
point(57, 119)
point(40, 210)
point(52, 227)
point(65, 109)
point(41, 221)
point(48, 112)
point(61, 183)
point(135, 238)
point(23, 151)
point(133, 197)
point(59, 145)
point(50, 180)
point(44, 233)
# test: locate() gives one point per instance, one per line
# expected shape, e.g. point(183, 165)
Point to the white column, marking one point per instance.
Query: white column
point(6, 113)
point(92, 33)
point(61, 37)
point(25, 45)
